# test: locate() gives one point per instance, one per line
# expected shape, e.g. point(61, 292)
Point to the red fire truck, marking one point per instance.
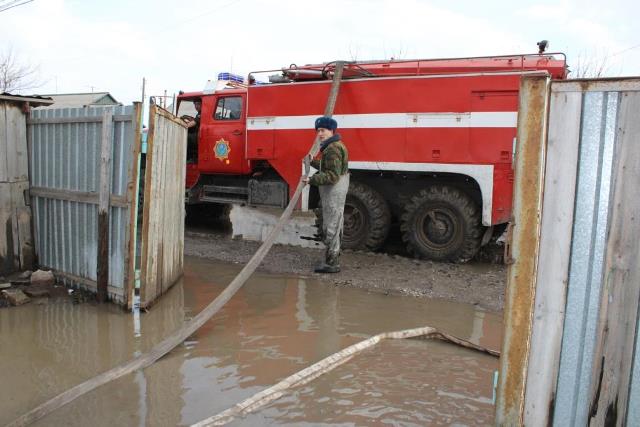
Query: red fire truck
point(430, 142)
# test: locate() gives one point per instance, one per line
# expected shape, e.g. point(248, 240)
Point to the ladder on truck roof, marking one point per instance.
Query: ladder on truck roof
point(554, 63)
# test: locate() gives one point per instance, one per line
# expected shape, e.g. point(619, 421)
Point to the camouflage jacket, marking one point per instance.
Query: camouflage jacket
point(332, 165)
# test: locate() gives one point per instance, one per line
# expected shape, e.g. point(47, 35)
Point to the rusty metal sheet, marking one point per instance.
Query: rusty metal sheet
point(523, 248)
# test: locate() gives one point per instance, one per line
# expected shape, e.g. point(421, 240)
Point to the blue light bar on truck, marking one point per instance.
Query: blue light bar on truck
point(228, 77)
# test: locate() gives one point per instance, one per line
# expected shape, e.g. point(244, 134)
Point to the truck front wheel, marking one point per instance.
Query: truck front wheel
point(366, 218)
point(443, 224)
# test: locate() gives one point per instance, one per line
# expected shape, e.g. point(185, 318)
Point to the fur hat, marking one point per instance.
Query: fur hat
point(326, 123)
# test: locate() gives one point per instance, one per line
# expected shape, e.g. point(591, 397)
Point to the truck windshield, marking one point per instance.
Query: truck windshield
point(186, 108)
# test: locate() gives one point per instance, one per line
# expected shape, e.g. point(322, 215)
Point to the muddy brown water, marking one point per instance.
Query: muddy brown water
point(272, 328)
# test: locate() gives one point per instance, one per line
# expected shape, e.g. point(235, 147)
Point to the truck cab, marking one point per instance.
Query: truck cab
point(218, 170)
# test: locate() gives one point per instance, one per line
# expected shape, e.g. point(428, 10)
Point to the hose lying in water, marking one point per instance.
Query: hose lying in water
point(177, 337)
point(327, 364)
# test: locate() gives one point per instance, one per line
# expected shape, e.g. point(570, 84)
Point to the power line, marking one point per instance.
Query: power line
point(193, 18)
point(625, 50)
point(13, 3)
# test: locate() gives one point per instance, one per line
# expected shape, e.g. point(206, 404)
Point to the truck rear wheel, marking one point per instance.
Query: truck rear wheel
point(366, 218)
point(442, 223)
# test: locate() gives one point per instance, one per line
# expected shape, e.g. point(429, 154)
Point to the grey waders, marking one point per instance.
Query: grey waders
point(333, 198)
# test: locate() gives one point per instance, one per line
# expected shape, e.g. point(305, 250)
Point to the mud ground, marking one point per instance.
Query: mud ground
point(477, 283)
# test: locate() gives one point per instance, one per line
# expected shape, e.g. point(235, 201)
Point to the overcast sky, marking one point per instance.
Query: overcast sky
point(80, 45)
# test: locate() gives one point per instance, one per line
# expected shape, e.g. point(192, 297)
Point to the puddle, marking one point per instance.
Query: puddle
point(272, 328)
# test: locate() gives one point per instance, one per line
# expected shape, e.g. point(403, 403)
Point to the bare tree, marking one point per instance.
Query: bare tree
point(394, 53)
point(353, 52)
point(15, 75)
point(594, 65)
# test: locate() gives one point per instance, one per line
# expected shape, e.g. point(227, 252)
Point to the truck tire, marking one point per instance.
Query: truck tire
point(366, 218)
point(443, 224)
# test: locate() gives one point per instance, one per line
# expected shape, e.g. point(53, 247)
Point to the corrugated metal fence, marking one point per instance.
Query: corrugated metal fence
point(163, 217)
point(64, 157)
point(581, 363)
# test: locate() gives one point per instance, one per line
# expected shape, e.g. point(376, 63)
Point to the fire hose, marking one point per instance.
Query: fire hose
point(327, 364)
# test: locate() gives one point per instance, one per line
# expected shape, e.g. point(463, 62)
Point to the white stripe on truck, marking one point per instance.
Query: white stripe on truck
point(499, 119)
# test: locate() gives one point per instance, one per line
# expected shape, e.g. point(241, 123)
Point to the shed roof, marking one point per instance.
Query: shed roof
point(79, 100)
point(34, 100)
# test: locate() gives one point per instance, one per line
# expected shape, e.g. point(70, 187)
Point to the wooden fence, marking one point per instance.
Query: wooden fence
point(163, 214)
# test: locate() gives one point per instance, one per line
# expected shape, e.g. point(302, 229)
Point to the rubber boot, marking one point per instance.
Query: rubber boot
point(326, 268)
point(330, 266)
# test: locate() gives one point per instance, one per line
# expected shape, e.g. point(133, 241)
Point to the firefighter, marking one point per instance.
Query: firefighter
point(332, 180)
point(195, 121)
point(193, 126)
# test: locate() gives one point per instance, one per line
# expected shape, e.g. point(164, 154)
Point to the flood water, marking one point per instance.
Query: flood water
point(272, 328)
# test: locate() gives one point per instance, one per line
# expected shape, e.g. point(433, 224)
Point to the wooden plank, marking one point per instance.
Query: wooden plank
point(103, 206)
point(16, 242)
point(164, 243)
point(553, 261)
point(145, 273)
point(7, 255)
point(13, 144)
point(132, 199)
point(522, 248)
point(181, 171)
point(90, 197)
point(616, 333)
point(16, 134)
point(169, 116)
point(22, 219)
point(158, 217)
point(4, 149)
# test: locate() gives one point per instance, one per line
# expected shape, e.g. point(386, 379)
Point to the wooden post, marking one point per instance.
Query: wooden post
point(552, 276)
point(103, 207)
point(132, 200)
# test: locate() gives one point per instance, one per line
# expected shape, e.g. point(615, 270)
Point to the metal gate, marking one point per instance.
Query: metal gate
point(84, 161)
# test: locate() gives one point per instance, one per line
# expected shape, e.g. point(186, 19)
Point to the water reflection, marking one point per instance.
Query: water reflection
point(272, 328)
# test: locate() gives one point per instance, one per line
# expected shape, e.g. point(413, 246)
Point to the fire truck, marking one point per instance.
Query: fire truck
point(431, 145)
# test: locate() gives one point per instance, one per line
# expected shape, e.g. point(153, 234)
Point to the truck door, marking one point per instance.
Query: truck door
point(223, 135)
